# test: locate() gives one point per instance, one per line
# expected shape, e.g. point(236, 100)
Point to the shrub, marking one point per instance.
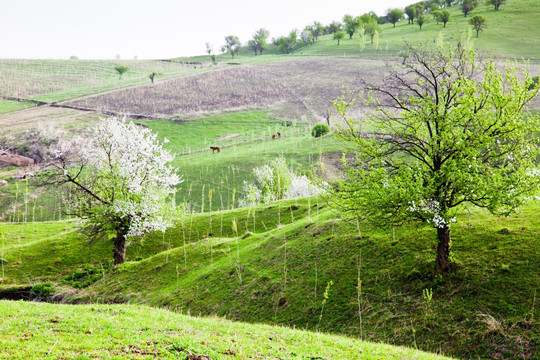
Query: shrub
point(42, 291)
point(82, 278)
point(535, 80)
point(320, 129)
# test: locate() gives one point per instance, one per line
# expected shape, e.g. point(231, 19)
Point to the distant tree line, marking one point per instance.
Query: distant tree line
point(368, 24)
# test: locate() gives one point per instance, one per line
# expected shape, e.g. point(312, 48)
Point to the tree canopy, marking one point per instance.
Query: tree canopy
point(340, 35)
point(468, 5)
point(421, 20)
point(394, 16)
point(121, 70)
point(351, 24)
point(232, 45)
point(444, 16)
point(478, 22)
point(447, 131)
point(496, 3)
point(372, 28)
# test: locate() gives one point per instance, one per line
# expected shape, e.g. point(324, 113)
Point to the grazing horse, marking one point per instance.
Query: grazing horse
point(276, 135)
point(214, 148)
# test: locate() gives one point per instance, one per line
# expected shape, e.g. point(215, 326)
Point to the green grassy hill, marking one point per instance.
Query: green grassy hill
point(511, 32)
point(38, 331)
point(278, 272)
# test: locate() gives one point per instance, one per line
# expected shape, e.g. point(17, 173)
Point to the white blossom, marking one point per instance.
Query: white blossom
point(430, 211)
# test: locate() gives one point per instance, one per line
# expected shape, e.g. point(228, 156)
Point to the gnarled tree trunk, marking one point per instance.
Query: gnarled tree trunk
point(442, 262)
point(119, 248)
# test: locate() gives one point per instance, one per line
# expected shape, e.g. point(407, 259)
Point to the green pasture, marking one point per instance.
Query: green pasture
point(511, 32)
point(38, 331)
point(276, 268)
point(224, 173)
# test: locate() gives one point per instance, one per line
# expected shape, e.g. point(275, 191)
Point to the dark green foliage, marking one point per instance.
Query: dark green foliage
point(535, 81)
point(319, 130)
point(444, 16)
point(468, 5)
point(232, 45)
point(421, 20)
point(496, 3)
point(340, 35)
point(121, 70)
point(42, 291)
point(410, 11)
point(394, 16)
point(478, 22)
point(82, 278)
point(351, 25)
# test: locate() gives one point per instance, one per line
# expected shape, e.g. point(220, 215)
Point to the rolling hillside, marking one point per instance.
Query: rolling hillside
point(284, 260)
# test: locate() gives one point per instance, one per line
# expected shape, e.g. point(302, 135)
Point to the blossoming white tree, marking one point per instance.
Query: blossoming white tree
point(122, 184)
point(274, 181)
point(449, 130)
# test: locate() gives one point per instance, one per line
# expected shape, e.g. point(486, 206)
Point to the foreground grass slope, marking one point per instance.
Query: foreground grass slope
point(38, 330)
point(279, 270)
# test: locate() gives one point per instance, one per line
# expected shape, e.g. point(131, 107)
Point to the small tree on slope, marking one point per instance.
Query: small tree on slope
point(449, 131)
point(122, 185)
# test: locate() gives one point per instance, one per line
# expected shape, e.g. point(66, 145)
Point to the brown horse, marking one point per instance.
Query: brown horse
point(276, 135)
point(214, 148)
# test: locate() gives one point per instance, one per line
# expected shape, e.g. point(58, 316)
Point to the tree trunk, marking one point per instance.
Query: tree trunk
point(442, 262)
point(119, 249)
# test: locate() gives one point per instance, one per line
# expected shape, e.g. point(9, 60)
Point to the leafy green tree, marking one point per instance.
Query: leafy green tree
point(442, 136)
point(121, 70)
point(340, 35)
point(316, 29)
point(394, 16)
point(468, 5)
point(368, 17)
point(152, 75)
point(478, 22)
point(351, 24)
point(434, 7)
point(444, 17)
point(232, 45)
point(496, 3)
point(253, 45)
point(121, 185)
point(287, 44)
point(333, 27)
point(208, 48)
point(260, 40)
point(372, 28)
point(410, 11)
point(421, 20)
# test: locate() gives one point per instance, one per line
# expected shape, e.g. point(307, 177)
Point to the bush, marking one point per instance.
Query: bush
point(82, 278)
point(320, 129)
point(535, 81)
point(42, 291)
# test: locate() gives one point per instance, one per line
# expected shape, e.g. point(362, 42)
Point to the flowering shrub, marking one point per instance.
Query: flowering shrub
point(273, 182)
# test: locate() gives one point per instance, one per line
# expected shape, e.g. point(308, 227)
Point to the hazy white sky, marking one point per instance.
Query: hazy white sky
point(102, 29)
